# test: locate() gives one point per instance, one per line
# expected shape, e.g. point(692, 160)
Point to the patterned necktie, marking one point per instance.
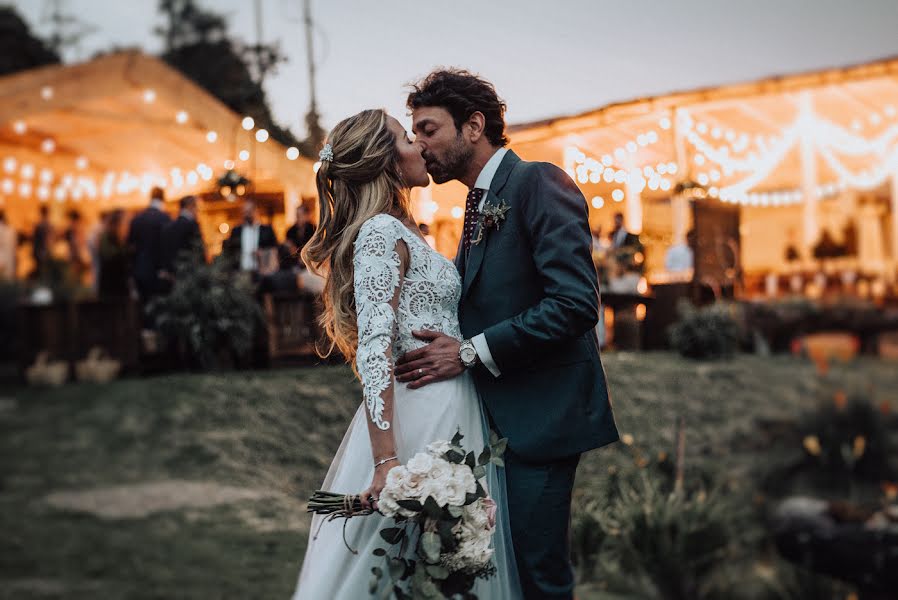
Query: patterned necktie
point(472, 208)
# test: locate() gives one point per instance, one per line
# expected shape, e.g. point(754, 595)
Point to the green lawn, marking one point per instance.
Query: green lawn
point(273, 433)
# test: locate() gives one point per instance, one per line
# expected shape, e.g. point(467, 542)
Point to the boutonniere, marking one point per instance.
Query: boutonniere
point(491, 216)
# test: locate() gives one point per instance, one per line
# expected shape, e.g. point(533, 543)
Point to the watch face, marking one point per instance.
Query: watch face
point(468, 354)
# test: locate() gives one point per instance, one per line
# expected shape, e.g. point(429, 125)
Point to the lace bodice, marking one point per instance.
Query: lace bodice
point(427, 299)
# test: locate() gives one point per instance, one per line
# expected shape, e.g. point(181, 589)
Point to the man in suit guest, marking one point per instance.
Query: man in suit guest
point(299, 234)
point(249, 238)
point(145, 243)
point(42, 240)
point(181, 239)
point(620, 237)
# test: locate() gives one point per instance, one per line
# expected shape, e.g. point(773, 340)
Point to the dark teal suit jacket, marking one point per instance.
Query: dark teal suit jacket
point(531, 287)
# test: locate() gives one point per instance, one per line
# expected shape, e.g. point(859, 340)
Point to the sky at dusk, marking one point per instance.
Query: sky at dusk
point(545, 58)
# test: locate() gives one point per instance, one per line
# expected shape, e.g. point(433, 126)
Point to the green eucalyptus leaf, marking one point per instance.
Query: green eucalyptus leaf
point(392, 535)
point(430, 543)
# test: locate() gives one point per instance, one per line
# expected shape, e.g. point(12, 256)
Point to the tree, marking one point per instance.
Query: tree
point(198, 45)
point(19, 48)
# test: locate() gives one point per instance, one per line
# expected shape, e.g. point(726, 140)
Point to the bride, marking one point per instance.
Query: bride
point(382, 282)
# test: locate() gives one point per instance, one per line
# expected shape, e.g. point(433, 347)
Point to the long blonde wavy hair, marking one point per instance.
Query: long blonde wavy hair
point(362, 180)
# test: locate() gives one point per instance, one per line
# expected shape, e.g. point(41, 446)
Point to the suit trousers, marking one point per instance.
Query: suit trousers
point(539, 506)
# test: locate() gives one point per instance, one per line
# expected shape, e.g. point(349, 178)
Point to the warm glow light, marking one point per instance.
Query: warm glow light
point(149, 95)
point(211, 136)
point(7, 186)
point(48, 146)
point(192, 177)
point(248, 123)
point(43, 193)
point(9, 164)
point(598, 202)
point(240, 189)
point(27, 171)
point(47, 92)
point(224, 228)
point(46, 175)
point(229, 164)
point(643, 286)
point(292, 153)
point(81, 163)
point(19, 127)
point(262, 135)
point(25, 189)
point(640, 312)
point(617, 195)
point(225, 190)
point(457, 212)
point(244, 155)
point(664, 123)
point(181, 117)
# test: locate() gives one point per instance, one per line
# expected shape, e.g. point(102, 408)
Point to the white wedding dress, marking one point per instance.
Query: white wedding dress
point(428, 299)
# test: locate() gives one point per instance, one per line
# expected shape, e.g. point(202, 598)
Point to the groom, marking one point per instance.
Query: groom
point(528, 311)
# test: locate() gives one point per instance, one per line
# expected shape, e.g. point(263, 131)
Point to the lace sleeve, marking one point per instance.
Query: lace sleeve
point(377, 280)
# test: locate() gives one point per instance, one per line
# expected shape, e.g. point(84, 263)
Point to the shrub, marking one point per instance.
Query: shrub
point(210, 312)
point(707, 333)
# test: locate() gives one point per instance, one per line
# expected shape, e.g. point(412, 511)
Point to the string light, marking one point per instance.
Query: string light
point(262, 135)
point(47, 92)
point(211, 136)
point(19, 127)
point(248, 123)
point(244, 155)
point(292, 153)
point(149, 95)
point(48, 146)
point(181, 117)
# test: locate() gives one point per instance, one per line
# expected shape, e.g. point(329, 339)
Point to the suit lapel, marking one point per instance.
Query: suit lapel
point(475, 255)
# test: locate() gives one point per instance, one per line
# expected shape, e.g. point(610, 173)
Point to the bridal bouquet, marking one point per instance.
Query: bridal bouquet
point(440, 509)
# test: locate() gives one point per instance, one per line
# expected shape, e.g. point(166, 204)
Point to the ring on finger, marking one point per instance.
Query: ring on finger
point(421, 372)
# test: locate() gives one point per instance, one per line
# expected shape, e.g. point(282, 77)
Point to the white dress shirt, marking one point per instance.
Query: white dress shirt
point(484, 180)
point(249, 243)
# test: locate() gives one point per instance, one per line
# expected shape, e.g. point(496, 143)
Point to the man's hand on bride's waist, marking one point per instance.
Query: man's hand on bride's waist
point(437, 361)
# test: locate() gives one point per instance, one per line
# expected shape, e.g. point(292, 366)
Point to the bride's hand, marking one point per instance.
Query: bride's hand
point(369, 496)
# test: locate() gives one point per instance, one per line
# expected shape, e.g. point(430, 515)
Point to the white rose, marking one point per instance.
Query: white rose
point(441, 469)
point(420, 464)
point(465, 478)
point(439, 448)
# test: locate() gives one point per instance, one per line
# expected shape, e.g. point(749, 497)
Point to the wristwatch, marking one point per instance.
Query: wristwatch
point(467, 354)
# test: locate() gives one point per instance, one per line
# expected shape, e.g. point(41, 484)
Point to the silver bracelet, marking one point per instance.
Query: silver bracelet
point(385, 461)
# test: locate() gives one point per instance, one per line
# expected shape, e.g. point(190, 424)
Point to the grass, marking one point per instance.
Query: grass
point(277, 431)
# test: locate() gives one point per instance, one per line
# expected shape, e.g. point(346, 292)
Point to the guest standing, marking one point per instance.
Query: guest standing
point(249, 239)
point(112, 253)
point(8, 244)
point(145, 242)
point(182, 239)
point(41, 241)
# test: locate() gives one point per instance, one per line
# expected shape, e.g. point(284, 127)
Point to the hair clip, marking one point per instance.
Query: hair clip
point(327, 153)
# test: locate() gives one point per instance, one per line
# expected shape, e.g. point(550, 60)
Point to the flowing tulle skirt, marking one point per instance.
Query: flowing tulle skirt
point(330, 570)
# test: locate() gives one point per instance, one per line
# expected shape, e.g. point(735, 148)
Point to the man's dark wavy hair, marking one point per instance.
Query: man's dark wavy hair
point(462, 94)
